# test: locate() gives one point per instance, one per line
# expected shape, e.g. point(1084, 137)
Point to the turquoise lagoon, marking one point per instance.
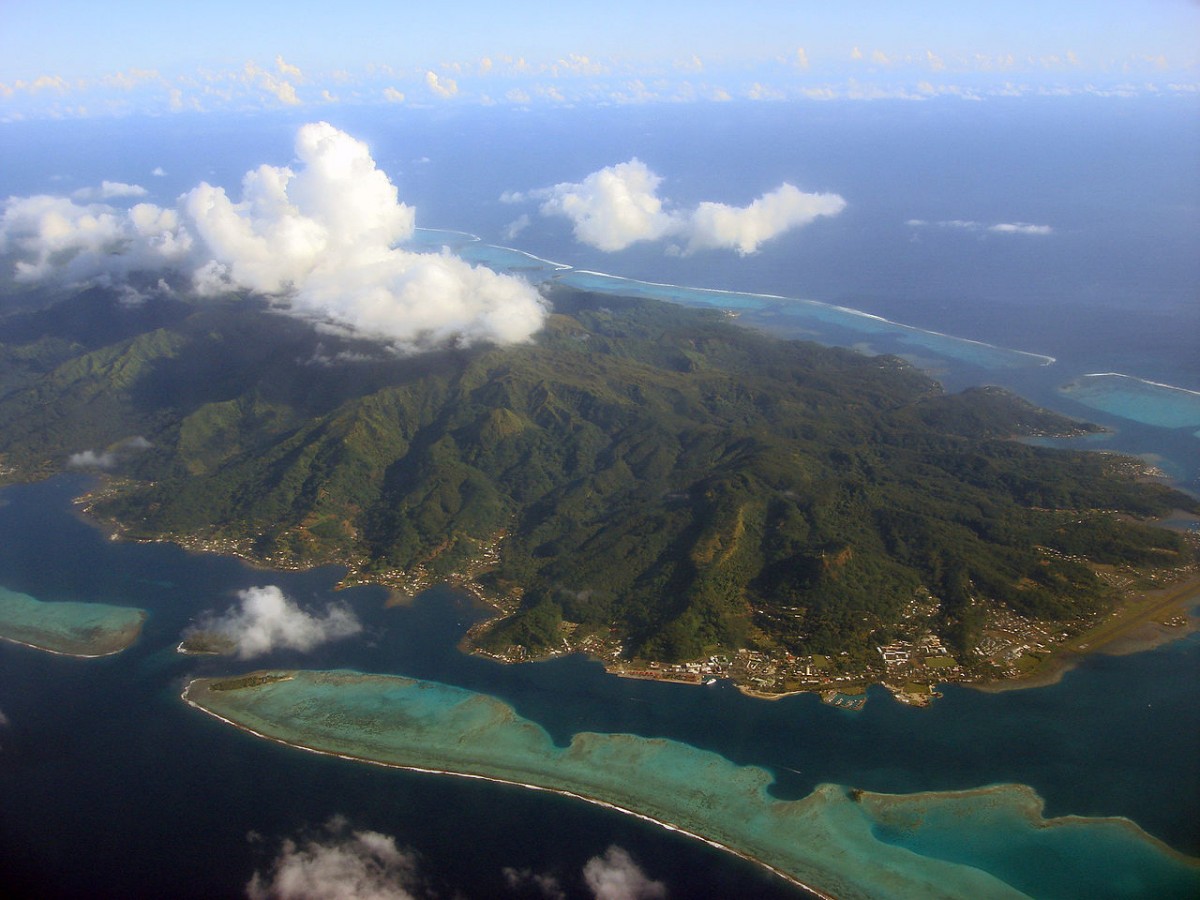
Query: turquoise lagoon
point(68, 627)
point(821, 321)
point(1136, 399)
point(988, 843)
point(1140, 415)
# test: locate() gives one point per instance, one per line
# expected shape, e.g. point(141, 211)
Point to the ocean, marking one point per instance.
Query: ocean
point(112, 786)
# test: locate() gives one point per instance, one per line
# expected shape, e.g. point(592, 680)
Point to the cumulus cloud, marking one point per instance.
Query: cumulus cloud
point(619, 206)
point(265, 620)
point(442, 87)
point(340, 864)
point(56, 237)
point(321, 240)
point(615, 876)
point(969, 225)
point(280, 88)
point(287, 69)
point(715, 225)
point(614, 207)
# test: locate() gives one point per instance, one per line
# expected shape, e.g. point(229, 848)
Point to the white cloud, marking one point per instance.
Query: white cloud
point(340, 865)
point(281, 89)
point(759, 91)
point(619, 206)
point(321, 240)
point(1020, 228)
point(516, 226)
point(998, 228)
point(286, 68)
point(615, 876)
point(265, 620)
point(50, 232)
point(107, 459)
point(391, 95)
point(158, 172)
point(110, 190)
point(614, 207)
point(443, 87)
point(90, 459)
point(716, 225)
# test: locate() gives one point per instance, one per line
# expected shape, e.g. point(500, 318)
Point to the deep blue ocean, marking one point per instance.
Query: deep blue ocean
point(113, 787)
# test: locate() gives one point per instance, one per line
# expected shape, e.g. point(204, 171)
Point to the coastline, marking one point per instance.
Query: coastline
point(596, 801)
point(1142, 633)
point(68, 627)
point(126, 641)
point(775, 299)
point(1139, 634)
point(851, 842)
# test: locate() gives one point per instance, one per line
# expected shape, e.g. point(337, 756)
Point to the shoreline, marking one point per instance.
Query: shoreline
point(67, 653)
point(1141, 634)
point(1138, 634)
point(822, 808)
point(512, 783)
point(72, 628)
point(775, 299)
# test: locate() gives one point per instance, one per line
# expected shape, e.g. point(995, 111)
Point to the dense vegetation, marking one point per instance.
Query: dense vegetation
point(644, 469)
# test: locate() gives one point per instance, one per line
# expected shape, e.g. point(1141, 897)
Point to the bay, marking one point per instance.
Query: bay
point(110, 779)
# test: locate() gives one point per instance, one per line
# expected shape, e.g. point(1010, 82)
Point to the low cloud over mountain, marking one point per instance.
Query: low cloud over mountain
point(324, 240)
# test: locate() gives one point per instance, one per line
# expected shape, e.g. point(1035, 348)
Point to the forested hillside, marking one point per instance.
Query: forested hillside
point(641, 469)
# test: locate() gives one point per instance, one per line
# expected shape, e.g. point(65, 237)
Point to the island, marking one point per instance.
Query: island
point(678, 495)
point(69, 628)
point(838, 841)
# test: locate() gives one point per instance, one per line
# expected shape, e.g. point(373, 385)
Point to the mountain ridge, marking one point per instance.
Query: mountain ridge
point(643, 475)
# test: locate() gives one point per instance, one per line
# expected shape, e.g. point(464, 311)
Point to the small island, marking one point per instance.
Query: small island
point(85, 630)
point(837, 841)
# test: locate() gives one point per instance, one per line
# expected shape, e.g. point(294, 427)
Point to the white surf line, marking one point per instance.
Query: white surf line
point(558, 267)
point(1046, 360)
point(521, 784)
point(13, 640)
point(1159, 384)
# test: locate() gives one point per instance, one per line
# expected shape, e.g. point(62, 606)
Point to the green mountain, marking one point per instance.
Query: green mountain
point(643, 472)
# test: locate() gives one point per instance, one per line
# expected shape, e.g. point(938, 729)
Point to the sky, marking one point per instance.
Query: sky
point(67, 58)
point(325, 234)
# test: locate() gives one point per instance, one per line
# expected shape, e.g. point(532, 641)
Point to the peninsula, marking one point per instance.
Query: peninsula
point(656, 485)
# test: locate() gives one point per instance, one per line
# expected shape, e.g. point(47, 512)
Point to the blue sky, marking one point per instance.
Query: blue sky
point(72, 58)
